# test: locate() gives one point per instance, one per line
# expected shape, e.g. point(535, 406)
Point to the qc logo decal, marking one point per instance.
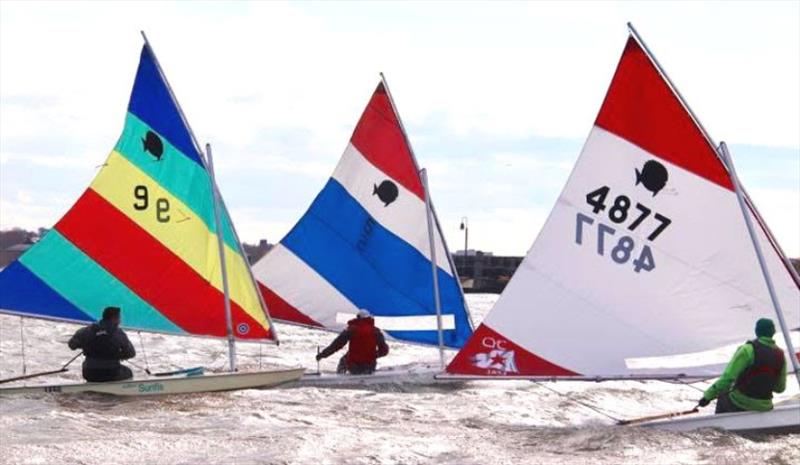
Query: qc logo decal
point(497, 358)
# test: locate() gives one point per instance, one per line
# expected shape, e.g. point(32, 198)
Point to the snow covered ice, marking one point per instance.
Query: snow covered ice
point(483, 422)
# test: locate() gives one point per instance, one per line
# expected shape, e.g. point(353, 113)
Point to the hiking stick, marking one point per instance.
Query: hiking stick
point(658, 417)
point(43, 373)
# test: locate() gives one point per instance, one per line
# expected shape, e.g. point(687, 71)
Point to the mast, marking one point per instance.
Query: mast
point(433, 209)
point(771, 237)
point(429, 212)
point(725, 155)
point(272, 328)
point(789, 268)
point(223, 266)
point(672, 86)
point(434, 267)
point(172, 95)
point(453, 268)
point(217, 194)
point(744, 200)
point(215, 199)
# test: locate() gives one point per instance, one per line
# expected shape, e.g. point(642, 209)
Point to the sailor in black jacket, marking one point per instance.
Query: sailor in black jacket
point(104, 345)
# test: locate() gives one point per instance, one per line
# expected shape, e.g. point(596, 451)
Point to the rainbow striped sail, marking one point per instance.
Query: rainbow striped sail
point(142, 237)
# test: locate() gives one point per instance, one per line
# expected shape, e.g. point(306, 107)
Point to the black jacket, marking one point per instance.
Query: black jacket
point(103, 343)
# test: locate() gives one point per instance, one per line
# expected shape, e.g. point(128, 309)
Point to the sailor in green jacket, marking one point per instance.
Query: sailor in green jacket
point(757, 369)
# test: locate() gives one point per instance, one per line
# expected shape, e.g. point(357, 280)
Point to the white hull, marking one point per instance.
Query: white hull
point(425, 375)
point(170, 385)
point(782, 419)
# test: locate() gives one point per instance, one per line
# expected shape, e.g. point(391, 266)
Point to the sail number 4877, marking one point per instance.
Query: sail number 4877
point(622, 251)
point(620, 210)
point(624, 212)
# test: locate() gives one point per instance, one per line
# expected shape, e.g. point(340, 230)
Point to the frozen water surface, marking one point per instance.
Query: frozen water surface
point(479, 423)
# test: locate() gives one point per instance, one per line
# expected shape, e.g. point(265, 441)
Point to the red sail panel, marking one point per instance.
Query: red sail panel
point(641, 108)
point(488, 353)
point(128, 252)
point(380, 140)
point(279, 309)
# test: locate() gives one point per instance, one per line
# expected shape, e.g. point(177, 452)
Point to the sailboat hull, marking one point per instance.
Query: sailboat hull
point(783, 419)
point(414, 375)
point(170, 385)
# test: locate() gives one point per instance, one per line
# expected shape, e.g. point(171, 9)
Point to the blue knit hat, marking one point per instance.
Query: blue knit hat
point(765, 327)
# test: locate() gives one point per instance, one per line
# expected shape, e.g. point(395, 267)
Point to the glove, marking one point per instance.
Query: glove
point(318, 357)
point(703, 402)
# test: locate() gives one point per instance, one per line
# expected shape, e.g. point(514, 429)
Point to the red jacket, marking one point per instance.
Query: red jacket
point(366, 342)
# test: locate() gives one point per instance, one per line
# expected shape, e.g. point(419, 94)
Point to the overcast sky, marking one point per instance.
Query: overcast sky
point(497, 98)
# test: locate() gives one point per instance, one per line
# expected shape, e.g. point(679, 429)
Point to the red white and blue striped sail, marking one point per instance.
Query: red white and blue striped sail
point(364, 244)
point(644, 266)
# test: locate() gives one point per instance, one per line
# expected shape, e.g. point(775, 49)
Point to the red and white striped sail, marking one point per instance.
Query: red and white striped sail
point(644, 267)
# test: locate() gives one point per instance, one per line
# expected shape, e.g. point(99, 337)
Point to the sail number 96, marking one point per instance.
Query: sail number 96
point(621, 251)
point(142, 203)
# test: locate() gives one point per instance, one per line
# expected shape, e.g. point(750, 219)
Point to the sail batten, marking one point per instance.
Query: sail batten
point(142, 236)
point(644, 266)
point(364, 244)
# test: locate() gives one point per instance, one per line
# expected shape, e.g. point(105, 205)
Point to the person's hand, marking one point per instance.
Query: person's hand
point(703, 402)
point(318, 357)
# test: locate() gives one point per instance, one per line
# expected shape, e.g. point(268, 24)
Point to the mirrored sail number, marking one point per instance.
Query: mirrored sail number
point(620, 211)
point(142, 203)
point(621, 251)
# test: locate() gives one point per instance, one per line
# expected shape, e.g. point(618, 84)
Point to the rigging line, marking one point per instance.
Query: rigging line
point(137, 366)
point(216, 355)
point(64, 368)
point(691, 385)
point(144, 353)
point(576, 401)
point(22, 345)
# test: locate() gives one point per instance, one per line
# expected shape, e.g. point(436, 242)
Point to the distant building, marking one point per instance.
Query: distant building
point(473, 252)
point(484, 272)
point(13, 252)
point(255, 252)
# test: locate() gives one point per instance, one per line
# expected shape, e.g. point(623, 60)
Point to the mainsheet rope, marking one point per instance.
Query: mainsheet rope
point(579, 402)
point(144, 353)
point(693, 386)
point(22, 344)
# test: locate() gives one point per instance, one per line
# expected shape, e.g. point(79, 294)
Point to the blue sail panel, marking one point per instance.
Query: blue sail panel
point(24, 293)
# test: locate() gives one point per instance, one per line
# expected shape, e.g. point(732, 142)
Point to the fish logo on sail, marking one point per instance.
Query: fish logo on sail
point(387, 191)
point(653, 176)
point(152, 143)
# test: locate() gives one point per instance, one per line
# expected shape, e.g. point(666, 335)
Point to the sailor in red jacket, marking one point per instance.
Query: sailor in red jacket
point(366, 345)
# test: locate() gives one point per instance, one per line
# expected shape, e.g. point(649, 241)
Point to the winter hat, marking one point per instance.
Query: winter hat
point(363, 313)
point(111, 312)
point(765, 327)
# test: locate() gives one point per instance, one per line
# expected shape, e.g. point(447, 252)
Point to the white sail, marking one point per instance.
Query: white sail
point(644, 267)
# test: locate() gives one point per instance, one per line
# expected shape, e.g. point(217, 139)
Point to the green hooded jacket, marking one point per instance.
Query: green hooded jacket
point(742, 359)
